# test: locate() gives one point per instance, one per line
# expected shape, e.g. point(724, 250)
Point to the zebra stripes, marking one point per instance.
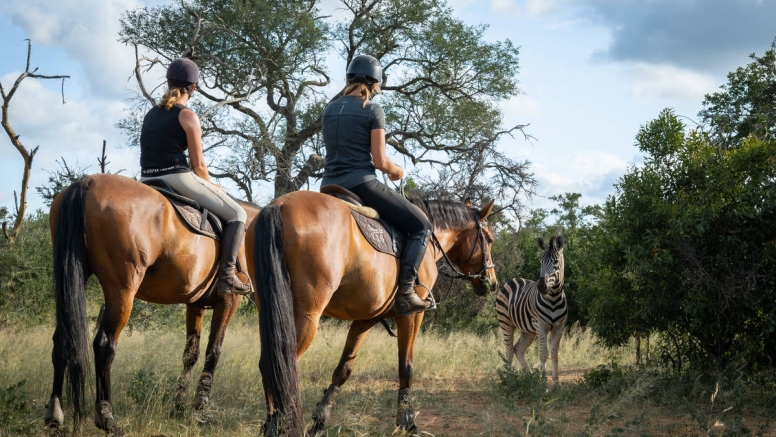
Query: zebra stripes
point(535, 308)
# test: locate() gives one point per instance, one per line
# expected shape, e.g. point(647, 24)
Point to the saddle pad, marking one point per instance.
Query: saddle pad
point(198, 220)
point(380, 234)
point(201, 222)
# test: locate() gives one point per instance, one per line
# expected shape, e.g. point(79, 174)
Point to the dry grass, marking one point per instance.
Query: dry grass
point(456, 387)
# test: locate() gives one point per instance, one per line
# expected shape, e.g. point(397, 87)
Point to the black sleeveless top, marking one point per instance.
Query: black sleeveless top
point(163, 143)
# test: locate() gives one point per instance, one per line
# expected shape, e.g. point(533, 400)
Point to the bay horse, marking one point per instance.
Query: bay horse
point(312, 260)
point(129, 236)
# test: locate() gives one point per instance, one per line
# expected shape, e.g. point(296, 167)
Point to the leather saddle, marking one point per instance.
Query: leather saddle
point(198, 219)
point(382, 235)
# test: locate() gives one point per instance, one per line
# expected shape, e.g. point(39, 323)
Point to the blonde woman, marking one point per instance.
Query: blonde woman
point(169, 130)
point(354, 136)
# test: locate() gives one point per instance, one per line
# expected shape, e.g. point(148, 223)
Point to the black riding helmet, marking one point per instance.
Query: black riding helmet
point(182, 72)
point(364, 69)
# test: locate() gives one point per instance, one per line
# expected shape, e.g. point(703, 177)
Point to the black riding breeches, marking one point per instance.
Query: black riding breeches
point(393, 207)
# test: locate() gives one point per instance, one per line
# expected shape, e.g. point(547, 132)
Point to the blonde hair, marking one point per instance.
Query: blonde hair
point(364, 90)
point(171, 96)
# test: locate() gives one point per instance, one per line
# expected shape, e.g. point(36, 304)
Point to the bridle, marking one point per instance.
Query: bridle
point(481, 274)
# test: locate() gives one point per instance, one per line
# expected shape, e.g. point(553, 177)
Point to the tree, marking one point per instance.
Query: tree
point(686, 248)
point(266, 82)
point(66, 175)
point(747, 103)
point(27, 155)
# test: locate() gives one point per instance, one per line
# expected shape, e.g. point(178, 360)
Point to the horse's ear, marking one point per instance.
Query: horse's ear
point(468, 202)
point(487, 209)
point(542, 245)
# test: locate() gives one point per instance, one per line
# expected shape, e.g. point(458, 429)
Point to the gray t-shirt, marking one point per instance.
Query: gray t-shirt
point(347, 130)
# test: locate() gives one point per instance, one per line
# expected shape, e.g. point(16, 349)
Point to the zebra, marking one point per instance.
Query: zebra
point(535, 308)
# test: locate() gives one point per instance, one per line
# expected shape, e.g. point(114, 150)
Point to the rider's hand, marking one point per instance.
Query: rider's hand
point(397, 175)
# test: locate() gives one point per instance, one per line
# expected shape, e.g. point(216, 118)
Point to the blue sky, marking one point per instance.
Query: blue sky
point(592, 72)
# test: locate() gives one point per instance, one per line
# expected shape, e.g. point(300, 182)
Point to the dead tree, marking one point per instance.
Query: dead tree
point(27, 155)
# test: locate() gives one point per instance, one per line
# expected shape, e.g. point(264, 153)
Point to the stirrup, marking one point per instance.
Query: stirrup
point(431, 299)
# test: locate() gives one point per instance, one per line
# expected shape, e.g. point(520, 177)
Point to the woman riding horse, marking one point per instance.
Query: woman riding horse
point(136, 244)
point(312, 260)
point(169, 129)
point(354, 136)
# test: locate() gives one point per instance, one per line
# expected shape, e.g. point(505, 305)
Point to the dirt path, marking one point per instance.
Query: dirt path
point(462, 408)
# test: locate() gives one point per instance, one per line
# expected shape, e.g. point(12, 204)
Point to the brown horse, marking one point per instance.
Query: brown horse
point(129, 236)
point(312, 260)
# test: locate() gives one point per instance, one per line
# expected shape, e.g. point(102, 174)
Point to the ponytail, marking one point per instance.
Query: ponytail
point(363, 90)
point(171, 96)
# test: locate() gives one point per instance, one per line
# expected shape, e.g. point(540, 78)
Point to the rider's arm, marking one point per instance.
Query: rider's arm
point(381, 159)
point(190, 124)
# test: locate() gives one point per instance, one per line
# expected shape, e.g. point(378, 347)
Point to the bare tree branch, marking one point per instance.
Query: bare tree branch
point(27, 156)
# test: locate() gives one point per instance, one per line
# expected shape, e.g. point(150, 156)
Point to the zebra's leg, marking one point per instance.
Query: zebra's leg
point(525, 340)
point(557, 332)
point(541, 337)
point(508, 332)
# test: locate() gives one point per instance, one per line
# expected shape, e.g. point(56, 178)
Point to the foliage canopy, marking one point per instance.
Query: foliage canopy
point(266, 81)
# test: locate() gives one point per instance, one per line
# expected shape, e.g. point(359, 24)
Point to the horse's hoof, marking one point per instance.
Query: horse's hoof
point(315, 430)
point(103, 419)
point(177, 412)
point(201, 403)
point(206, 418)
point(412, 431)
point(54, 416)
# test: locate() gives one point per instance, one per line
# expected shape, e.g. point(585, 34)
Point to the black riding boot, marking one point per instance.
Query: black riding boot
point(228, 282)
point(407, 301)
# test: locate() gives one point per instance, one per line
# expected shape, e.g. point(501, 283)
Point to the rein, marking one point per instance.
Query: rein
point(481, 239)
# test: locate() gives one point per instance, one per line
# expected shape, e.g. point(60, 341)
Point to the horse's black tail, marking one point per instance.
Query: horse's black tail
point(278, 363)
point(70, 275)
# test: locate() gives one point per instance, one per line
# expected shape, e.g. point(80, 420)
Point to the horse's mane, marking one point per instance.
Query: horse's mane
point(445, 214)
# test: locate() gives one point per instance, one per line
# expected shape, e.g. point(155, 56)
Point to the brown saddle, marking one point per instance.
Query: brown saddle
point(198, 219)
point(382, 235)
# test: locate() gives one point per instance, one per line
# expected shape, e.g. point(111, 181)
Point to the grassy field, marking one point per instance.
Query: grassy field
point(461, 389)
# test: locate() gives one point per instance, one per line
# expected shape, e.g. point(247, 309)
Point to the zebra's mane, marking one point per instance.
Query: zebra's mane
point(445, 214)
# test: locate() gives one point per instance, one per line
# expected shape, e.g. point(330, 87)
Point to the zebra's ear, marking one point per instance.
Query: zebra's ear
point(557, 242)
point(542, 245)
point(487, 209)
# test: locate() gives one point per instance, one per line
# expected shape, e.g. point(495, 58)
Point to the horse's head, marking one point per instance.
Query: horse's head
point(552, 265)
point(471, 253)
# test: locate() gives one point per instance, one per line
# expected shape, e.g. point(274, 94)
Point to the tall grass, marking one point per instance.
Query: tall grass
point(456, 385)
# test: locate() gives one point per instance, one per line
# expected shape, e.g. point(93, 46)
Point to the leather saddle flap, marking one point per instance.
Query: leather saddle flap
point(382, 235)
point(199, 220)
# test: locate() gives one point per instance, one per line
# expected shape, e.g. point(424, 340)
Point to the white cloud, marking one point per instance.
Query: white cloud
point(87, 30)
point(500, 7)
point(73, 131)
point(589, 172)
point(666, 82)
point(521, 107)
point(537, 8)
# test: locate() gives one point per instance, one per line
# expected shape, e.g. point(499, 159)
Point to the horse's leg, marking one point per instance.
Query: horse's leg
point(525, 340)
point(116, 315)
point(194, 316)
point(223, 310)
point(556, 332)
point(54, 416)
point(358, 332)
point(408, 328)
